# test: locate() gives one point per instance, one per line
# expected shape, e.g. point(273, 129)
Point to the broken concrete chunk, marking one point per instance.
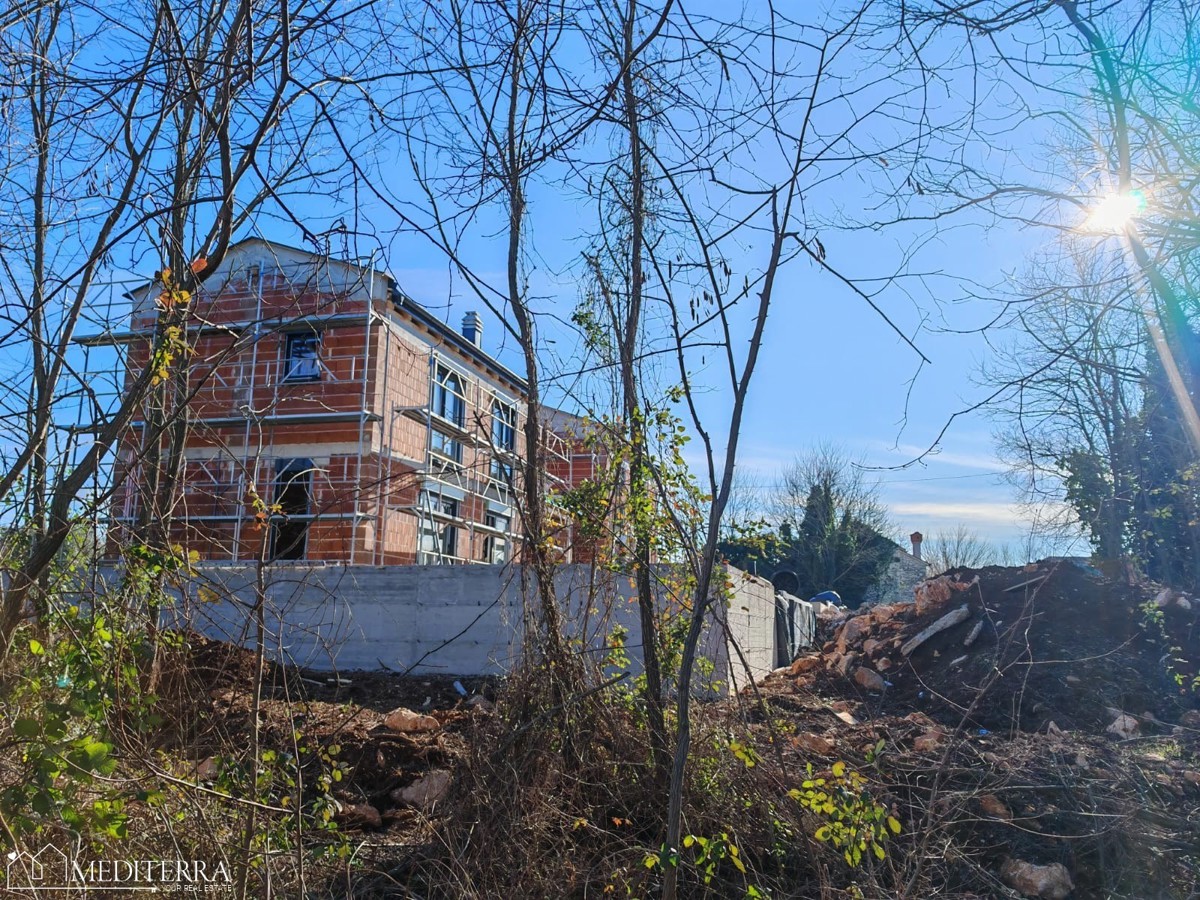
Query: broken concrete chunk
point(813, 743)
point(1052, 882)
point(947, 621)
point(974, 634)
point(869, 679)
point(1124, 727)
point(405, 721)
point(425, 792)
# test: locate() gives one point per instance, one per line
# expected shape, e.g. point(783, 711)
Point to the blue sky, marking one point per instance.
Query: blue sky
point(832, 370)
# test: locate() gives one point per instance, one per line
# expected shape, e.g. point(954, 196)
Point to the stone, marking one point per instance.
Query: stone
point(883, 664)
point(869, 679)
point(1192, 777)
point(1184, 603)
point(1074, 680)
point(974, 633)
point(425, 792)
point(1124, 727)
point(881, 614)
point(804, 665)
point(360, 815)
point(1190, 719)
point(405, 721)
point(852, 632)
point(995, 807)
point(871, 647)
point(845, 664)
point(846, 717)
point(930, 740)
point(947, 621)
point(813, 743)
point(208, 770)
point(1052, 882)
point(1164, 598)
point(931, 594)
point(482, 703)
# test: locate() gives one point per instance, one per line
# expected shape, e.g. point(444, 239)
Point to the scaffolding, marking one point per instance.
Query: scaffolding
point(253, 408)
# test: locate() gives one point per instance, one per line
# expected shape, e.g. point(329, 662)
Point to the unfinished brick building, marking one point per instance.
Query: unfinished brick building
point(334, 419)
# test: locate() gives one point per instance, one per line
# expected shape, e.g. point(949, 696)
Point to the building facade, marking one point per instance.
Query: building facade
point(334, 419)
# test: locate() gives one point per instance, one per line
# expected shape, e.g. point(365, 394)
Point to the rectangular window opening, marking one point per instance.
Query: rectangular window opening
point(302, 361)
point(291, 517)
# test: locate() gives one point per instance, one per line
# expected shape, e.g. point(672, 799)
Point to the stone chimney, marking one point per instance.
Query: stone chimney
point(916, 537)
point(472, 328)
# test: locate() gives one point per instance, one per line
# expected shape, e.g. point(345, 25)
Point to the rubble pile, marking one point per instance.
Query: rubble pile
point(398, 738)
point(1055, 643)
point(1044, 721)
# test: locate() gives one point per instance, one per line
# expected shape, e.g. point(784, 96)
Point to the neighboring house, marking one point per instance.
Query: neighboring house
point(906, 571)
point(334, 419)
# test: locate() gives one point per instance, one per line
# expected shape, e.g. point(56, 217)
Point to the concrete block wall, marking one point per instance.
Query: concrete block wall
point(750, 619)
point(456, 620)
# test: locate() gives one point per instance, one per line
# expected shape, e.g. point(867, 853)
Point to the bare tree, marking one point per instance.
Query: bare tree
point(958, 547)
point(832, 506)
point(196, 126)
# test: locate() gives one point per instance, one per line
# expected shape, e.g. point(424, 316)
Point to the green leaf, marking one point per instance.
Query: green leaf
point(36, 648)
point(894, 824)
point(26, 728)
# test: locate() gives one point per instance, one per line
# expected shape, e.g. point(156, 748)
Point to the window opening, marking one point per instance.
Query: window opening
point(293, 497)
point(504, 439)
point(495, 546)
point(438, 541)
point(448, 400)
point(303, 357)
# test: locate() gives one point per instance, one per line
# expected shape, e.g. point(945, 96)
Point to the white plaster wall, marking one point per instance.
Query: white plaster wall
point(460, 620)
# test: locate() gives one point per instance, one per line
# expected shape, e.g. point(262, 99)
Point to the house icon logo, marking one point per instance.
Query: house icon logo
point(46, 870)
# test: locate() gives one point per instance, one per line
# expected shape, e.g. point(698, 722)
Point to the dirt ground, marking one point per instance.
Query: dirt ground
point(1001, 731)
point(1054, 721)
